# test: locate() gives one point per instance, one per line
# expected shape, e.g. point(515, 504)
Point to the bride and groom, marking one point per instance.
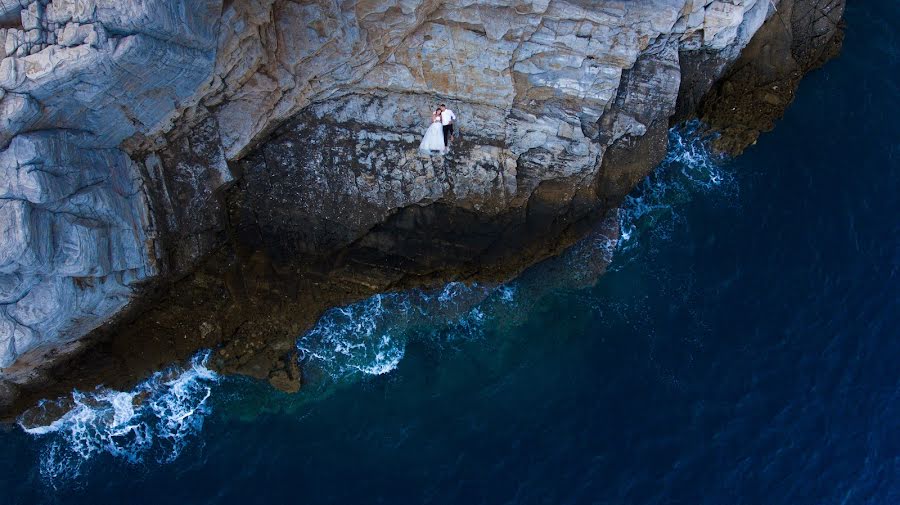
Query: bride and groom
point(440, 133)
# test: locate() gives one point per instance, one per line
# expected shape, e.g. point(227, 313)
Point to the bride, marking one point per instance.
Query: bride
point(434, 136)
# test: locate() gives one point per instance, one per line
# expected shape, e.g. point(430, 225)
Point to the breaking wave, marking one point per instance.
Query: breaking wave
point(357, 338)
point(154, 421)
point(689, 168)
point(370, 337)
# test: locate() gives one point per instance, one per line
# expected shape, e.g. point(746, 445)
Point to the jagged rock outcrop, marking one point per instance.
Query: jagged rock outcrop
point(248, 164)
point(758, 87)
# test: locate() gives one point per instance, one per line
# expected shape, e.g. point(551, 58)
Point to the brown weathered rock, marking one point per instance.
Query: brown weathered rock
point(761, 84)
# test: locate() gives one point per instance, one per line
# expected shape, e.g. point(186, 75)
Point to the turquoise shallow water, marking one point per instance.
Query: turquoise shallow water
point(742, 349)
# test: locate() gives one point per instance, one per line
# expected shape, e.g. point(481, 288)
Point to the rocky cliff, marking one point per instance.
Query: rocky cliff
point(178, 174)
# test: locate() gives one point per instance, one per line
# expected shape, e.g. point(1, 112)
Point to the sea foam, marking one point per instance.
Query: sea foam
point(155, 420)
point(370, 337)
point(689, 168)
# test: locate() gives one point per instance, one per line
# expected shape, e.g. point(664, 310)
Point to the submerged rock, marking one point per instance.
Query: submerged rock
point(239, 167)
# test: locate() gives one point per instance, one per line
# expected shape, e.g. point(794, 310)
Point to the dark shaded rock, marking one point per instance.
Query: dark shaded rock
point(186, 183)
point(760, 85)
point(9, 393)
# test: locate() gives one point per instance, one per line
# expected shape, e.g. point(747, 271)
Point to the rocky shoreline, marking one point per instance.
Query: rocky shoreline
point(286, 182)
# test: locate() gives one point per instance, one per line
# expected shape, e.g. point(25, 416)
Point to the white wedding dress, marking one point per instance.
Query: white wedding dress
point(433, 139)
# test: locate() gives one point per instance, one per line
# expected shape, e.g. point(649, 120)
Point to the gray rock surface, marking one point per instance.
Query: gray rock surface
point(76, 80)
point(124, 122)
point(73, 239)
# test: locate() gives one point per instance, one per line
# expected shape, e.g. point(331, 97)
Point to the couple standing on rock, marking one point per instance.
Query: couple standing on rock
point(440, 133)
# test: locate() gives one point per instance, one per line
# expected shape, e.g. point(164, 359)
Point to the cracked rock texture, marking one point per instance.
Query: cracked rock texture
point(234, 159)
point(78, 78)
point(73, 224)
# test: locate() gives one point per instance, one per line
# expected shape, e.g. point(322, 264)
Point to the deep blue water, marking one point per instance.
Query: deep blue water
point(742, 349)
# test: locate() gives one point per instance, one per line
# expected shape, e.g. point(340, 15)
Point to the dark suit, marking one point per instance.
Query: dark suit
point(448, 132)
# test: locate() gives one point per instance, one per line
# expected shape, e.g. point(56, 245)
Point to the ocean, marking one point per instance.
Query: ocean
point(742, 348)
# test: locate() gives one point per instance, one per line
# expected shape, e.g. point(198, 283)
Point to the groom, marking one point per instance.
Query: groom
point(447, 119)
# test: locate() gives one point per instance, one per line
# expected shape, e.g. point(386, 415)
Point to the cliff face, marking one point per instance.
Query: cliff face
point(76, 80)
point(248, 164)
